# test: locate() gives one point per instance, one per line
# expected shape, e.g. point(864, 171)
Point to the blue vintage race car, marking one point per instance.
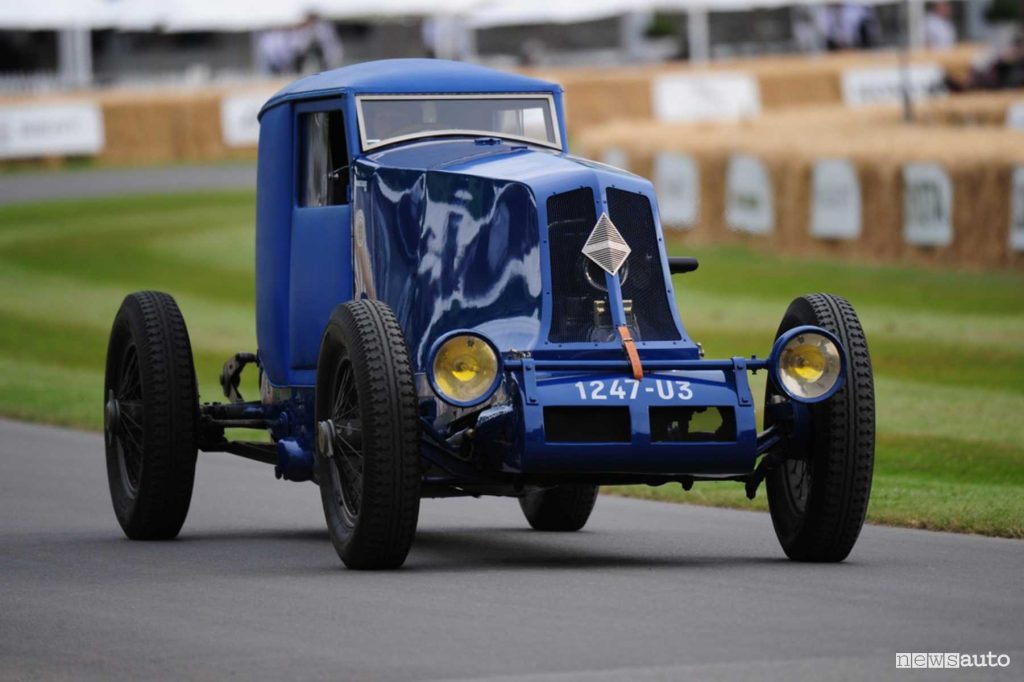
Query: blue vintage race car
point(449, 303)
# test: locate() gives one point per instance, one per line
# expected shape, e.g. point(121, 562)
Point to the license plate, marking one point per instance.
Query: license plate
point(630, 389)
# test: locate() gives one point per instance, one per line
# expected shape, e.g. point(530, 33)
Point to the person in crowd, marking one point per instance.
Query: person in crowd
point(276, 51)
point(852, 26)
point(309, 47)
point(939, 32)
point(1002, 66)
point(810, 25)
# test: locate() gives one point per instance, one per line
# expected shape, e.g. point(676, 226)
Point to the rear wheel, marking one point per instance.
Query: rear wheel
point(562, 508)
point(818, 498)
point(368, 448)
point(151, 417)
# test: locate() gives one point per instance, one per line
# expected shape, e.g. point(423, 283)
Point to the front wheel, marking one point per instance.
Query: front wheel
point(562, 508)
point(151, 417)
point(368, 446)
point(818, 498)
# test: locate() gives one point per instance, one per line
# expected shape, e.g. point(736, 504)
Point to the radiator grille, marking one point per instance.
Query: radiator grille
point(571, 217)
point(645, 281)
point(577, 282)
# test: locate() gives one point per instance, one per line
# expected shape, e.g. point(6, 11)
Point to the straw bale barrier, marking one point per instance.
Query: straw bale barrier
point(595, 96)
point(973, 109)
point(184, 124)
point(979, 164)
point(157, 126)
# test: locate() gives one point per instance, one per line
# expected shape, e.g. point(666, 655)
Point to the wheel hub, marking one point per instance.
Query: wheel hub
point(113, 413)
point(325, 438)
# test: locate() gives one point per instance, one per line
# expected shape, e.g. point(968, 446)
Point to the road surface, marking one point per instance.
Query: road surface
point(253, 590)
point(102, 182)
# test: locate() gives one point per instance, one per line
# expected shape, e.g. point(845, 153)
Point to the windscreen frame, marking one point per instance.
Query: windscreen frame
point(367, 146)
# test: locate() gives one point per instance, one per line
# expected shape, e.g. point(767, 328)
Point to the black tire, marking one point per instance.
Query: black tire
point(818, 500)
point(151, 417)
point(368, 445)
point(564, 508)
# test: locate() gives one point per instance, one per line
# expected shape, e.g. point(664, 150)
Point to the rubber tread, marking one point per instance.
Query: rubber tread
point(158, 509)
point(843, 445)
point(386, 525)
point(565, 508)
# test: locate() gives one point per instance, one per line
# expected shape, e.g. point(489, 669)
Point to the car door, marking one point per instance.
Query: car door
point(321, 239)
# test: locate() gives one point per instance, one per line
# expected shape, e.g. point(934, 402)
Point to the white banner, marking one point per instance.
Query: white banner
point(36, 130)
point(749, 205)
point(885, 85)
point(835, 202)
point(677, 182)
point(616, 157)
point(1017, 209)
point(710, 97)
point(927, 205)
point(1015, 116)
point(238, 122)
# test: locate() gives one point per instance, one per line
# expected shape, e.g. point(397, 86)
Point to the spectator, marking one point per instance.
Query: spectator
point(939, 33)
point(851, 26)
point(318, 45)
point(311, 46)
point(809, 25)
point(276, 51)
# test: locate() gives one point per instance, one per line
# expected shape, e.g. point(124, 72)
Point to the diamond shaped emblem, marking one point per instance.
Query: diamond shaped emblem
point(606, 246)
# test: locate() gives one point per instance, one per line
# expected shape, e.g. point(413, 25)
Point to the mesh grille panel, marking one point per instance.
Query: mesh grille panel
point(577, 282)
point(645, 280)
point(571, 217)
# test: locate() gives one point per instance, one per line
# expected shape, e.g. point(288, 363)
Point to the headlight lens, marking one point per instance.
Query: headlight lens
point(809, 366)
point(465, 369)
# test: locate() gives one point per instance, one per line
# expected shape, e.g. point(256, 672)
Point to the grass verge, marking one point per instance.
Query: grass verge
point(948, 348)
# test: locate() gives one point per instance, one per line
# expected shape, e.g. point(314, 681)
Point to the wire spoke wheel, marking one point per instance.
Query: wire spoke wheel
point(794, 472)
point(818, 495)
point(123, 419)
point(367, 446)
point(798, 483)
point(151, 415)
point(346, 443)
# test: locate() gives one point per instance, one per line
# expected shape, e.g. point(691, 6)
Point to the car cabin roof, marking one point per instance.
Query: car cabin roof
point(409, 77)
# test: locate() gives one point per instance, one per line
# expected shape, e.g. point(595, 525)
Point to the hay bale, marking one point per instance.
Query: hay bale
point(979, 162)
point(598, 96)
point(971, 109)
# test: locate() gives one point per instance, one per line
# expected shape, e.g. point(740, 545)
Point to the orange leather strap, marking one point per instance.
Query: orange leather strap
point(634, 357)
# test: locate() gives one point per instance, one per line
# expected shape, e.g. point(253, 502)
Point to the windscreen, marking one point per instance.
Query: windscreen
point(384, 120)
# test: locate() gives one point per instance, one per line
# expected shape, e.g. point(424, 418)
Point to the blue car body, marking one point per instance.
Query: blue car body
point(481, 234)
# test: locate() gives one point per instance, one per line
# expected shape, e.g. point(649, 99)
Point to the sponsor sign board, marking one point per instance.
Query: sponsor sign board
point(705, 97)
point(885, 85)
point(677, 182)
point(1015, 116)
point(1017, 209)
point(749, 204)
point(927, 205)
point(835, 200)
point(238, 122)
point(616, 157)
point(35, 130)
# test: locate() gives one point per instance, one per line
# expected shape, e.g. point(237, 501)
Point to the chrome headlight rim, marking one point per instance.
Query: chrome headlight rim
point(432, 379)
point(776, 355)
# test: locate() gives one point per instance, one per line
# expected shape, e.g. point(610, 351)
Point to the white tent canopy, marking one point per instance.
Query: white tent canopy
point(245, 15)
point(210, 15)
point(74, 18)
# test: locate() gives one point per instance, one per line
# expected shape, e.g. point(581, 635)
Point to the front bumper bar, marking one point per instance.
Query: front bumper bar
point(539, 384)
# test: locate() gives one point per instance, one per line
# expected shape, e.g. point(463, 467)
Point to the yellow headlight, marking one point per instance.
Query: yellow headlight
point(809, 365)
point(465, 369)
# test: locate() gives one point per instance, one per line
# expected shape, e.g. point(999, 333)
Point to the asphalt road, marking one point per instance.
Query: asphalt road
point(100, 182)
point(253, 590)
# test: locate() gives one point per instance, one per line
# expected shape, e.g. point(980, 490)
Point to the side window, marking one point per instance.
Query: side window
point(324, 167)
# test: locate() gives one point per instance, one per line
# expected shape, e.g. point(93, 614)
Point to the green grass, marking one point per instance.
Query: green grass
point(948, 347)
